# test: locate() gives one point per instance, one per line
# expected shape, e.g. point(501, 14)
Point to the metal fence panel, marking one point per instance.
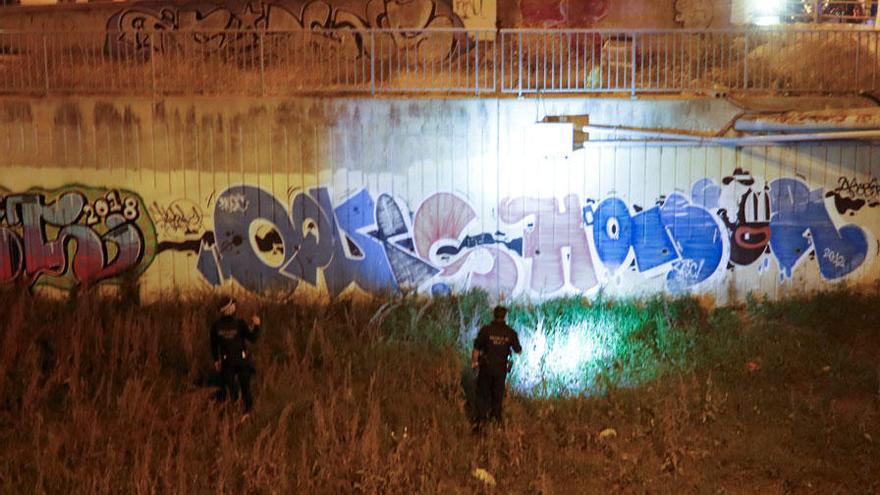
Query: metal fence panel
point(841, 60)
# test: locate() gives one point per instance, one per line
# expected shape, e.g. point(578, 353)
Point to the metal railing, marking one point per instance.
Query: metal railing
point(779, 60)
point(248, 62)
point(478, 62)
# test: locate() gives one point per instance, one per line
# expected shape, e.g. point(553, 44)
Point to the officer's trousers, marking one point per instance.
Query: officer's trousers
point(490, 394)
point(237, 376)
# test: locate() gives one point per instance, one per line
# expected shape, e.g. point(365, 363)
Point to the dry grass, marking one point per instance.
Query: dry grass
point(102, 396)
point(833, 61)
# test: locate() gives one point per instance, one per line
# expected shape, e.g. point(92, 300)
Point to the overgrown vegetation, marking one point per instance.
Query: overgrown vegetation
point(101, 396)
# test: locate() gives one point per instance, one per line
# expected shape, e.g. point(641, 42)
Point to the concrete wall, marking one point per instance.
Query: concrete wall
point(294, 14)
point(277, 15)
point(624, 14)
point(332, 197)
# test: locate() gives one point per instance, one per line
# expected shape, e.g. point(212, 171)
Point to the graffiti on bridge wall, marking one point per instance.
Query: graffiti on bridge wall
point(179, 217)
point(677, 237)
point(737, 223)
point(785, 218)
point(264, 245)
point(540, 246)
point(74, 236)
point(563, 13)
point(380, 245)
point(851, 194)
point(135, 28)
point(693, 14)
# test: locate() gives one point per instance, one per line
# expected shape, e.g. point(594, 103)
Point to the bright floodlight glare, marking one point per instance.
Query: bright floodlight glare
point(761, 8)
point(767, 20)
point(766, 12)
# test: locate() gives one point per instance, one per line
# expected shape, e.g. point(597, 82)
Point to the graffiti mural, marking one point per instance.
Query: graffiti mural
point(74, 236)
point(676, 236)
point(447, 236)
point(851, 194)
point(693, 14)
point(380, 245)
point(469, 8)
point(744, 206)
point(140, 27)
point(555, 241)
point(785, 218)
point(180, 217)
point(563, 13)
point(801, 223)
point(540, 247)
point(266, 246)
point(376, 242)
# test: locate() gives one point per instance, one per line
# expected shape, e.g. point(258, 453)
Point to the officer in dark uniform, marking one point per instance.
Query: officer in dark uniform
point(229, 336)
point(490, 357)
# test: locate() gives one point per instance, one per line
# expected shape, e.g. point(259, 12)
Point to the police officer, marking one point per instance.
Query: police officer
point(229, 336)
point(490, 357)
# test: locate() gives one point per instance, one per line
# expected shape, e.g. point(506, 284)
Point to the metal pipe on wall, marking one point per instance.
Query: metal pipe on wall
point(762, 140)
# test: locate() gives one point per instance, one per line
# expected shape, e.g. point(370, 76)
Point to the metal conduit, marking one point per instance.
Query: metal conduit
point(760, 140)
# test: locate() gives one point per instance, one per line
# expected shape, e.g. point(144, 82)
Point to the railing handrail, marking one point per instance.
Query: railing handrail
point(726, 30)
point(779, 28)
point(254, 31)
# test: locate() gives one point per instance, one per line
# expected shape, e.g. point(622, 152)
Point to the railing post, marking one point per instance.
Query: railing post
point(477, 64)
point(372, 62)
point(519, 61)
point(499, 39)
point(816, 7)
point(874, 66)
point(262, 67)
point(746, 61)
point(858, 60)
point(495, 88)
point(46, 63)
point(152, 51)
point(633, 64)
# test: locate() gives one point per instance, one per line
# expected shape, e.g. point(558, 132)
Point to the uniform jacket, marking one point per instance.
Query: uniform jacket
point(229, 337)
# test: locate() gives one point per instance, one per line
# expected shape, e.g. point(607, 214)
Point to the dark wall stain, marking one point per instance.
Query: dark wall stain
point(15, 111)
point(68, 114)
point(107, 114)
point(129, 117)
point(159, 110)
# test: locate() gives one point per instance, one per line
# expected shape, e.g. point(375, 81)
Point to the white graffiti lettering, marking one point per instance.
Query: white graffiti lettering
point(834, 258)
point(233, 203)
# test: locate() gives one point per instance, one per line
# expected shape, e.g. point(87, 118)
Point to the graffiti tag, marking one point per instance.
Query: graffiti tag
point(74, 236)
point(180, 217)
